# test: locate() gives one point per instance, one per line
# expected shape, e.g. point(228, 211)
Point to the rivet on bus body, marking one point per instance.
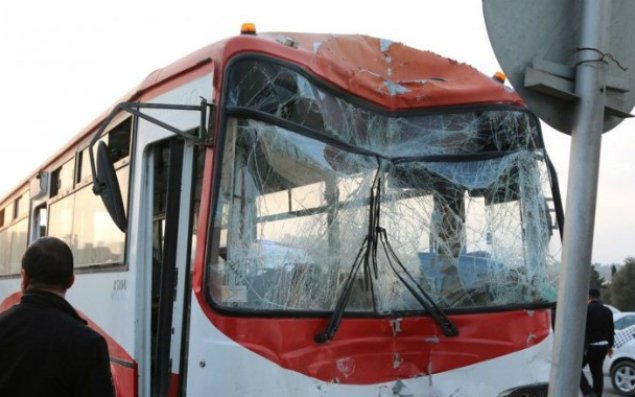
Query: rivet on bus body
point(395, 324)
point(202, 364)
point(396, 360)
point(432, 339)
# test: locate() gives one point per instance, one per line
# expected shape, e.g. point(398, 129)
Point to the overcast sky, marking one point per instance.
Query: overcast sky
point(64, 62)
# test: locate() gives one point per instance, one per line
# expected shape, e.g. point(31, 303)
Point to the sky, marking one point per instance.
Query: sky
point(62, 63)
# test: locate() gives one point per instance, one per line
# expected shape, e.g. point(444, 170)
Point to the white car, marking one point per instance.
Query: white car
point(613, 309)
point(620, 367)
point(623, 320)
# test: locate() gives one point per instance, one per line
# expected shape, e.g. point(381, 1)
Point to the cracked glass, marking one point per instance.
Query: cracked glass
point(464, 201)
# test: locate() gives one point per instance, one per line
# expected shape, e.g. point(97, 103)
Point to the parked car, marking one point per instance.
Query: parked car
point(613, 309)
point(623, 320)
point(620, 367)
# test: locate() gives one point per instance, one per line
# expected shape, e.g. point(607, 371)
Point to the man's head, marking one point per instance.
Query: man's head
point(48, 264)
point(594, 294)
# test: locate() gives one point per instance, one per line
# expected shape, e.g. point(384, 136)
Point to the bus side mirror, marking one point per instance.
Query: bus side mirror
point(109, 187)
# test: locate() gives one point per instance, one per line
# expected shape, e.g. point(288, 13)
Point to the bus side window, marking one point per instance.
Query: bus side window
point(13, 234)
point(119, 140)
point(16, 208)
point(62, 178)
point(74, 214)
point(83, 172)
point(40, 222)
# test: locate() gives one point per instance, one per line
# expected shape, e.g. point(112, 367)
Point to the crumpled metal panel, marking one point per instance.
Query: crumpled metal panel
point(389, 74)
point(392, 74)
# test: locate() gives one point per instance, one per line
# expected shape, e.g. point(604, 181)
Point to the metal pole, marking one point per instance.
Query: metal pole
point(581, 198)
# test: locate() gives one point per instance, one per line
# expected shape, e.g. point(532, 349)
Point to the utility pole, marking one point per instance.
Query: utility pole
point(586, 139)
point(573, 62)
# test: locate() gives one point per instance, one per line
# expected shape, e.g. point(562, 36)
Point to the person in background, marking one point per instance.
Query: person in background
point(598, 342)
point(46, 349)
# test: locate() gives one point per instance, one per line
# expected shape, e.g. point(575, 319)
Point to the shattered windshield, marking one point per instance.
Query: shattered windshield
point(463, 198)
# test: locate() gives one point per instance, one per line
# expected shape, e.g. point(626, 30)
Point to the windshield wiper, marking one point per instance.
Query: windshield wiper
point(447, 326)
point(367, 255)
point(342, 301)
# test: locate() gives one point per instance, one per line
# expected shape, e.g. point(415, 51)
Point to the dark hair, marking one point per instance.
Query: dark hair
point(594, 293)
point(49, 262)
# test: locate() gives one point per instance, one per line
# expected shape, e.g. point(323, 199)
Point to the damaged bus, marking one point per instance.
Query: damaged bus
point(286, 214)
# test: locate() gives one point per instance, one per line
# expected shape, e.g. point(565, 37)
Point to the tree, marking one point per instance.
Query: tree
point(595, 280)
point(623, 286)
point(598, 282)
point(606, 294)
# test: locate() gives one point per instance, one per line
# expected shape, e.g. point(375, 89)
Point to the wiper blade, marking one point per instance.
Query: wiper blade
point(447, 326)
point(342, 300)
point(367, 255)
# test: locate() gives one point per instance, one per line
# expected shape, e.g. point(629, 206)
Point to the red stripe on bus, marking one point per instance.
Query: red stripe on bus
point(123, 367)
point(124, 379)
point(114, 349)
point(365, 351)
point(10, 300)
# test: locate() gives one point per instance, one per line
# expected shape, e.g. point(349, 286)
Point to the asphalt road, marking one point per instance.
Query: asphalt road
point(608, 389)
point(609, 392)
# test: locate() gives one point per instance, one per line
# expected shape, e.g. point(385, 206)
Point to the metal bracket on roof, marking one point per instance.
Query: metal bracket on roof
point(558, 81)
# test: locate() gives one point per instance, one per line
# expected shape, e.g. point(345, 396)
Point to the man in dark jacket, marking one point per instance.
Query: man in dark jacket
point(598, 342)
point(46, 349)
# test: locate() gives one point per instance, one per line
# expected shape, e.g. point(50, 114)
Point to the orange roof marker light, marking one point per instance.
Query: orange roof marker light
point(500, 76)
point(248, 28)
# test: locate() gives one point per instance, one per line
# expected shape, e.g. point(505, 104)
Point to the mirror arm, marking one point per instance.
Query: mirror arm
point(134, 108)
point(98, 186)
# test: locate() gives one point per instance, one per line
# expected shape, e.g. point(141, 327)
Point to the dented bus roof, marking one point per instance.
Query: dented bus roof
point(388, 74)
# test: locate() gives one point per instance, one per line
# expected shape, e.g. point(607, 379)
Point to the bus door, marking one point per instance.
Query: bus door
point(159, 236)
point(168, 132)
point(172, 163)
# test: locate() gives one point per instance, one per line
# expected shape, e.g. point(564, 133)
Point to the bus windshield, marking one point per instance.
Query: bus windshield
point(461, 195)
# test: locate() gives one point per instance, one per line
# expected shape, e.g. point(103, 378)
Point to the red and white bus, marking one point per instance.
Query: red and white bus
point(286, 214)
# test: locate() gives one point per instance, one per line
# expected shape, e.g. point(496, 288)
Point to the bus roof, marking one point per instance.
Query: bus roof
point(390, 75)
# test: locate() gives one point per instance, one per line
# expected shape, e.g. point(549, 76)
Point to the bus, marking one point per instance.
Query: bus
point(296, 214)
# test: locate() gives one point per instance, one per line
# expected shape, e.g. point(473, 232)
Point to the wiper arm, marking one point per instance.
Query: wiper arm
point(367, 255)
point(447, 326)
